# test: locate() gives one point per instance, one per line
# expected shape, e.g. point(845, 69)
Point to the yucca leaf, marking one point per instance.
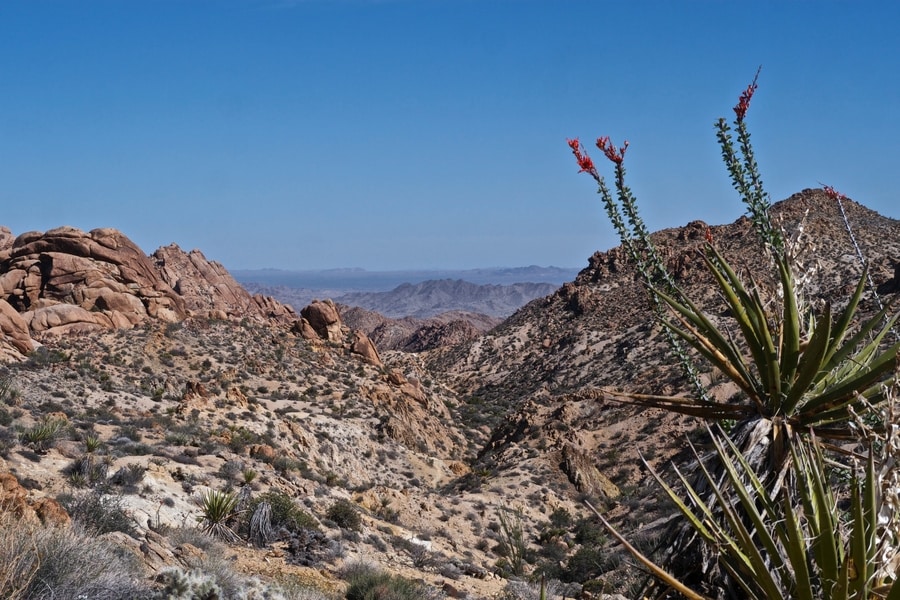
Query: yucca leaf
point(793, 540)
point(846, 350)
point(790, 330)
point(730, 458)
point(688, 406)
point(820, 510)
point(744, 554)
point(858, 552)
point(869, 509)
point(841, 589)
point(708, 336)
point(749, 312)
point(654, 569)
point(846, 318)
point(722, 354)
point(696, 522)
point(810, 362)
point(844, 393)
point(839, 331)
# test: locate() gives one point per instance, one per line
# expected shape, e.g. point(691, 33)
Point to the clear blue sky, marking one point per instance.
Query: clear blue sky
point(400, 134)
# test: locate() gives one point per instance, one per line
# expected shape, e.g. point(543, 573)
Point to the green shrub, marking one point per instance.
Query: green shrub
point(129, 475)
point(286, 513)
point(370, 583)
point(345, 515)
point(8, 391)
point(43, 435)
point(43, 356)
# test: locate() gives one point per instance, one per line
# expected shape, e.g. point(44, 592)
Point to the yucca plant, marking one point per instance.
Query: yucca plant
point(793, 541)
point(217, 509)
point(43, 435)
point(789, 382)
point(760, 513)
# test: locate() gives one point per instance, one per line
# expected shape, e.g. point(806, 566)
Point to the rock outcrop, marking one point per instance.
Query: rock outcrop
point(208, 289)
point(66, 280)
point(323, 317)
point(70, 281)
point(321, 321)
point(15, 501)
point(411, 334)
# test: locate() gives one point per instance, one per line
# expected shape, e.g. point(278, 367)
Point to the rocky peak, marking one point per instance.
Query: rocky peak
point(209, 289)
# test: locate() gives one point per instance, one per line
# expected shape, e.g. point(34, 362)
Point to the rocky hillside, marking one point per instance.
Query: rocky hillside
point(411, 334)
point(135, 386)
point(425, 463)
point(596, 331)
point(430, 298)
point(546, 366)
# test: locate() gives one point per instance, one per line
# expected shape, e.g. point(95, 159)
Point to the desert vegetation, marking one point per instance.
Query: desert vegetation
point(715, 396)
point(760, 510)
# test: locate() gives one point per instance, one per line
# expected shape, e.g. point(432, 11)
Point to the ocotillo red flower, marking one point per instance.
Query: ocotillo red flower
point(616, 155)
point(584, 161)
point(744, 101)
point(833, 193)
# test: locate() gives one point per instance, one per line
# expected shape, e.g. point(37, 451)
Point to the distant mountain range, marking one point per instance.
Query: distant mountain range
point(495, 292)
point(361, 280)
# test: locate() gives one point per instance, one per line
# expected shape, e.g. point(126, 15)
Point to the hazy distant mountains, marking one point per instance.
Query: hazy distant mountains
point(494, 292)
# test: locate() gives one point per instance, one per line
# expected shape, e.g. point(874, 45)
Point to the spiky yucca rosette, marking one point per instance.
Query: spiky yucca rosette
point(760, 511)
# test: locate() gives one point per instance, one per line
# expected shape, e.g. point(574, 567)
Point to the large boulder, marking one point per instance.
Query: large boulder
point(14, 500)
point(323, 317)
point(65, 318)
point(6, 240)
point(102, 272)
point(14, 329)
point(362, 346)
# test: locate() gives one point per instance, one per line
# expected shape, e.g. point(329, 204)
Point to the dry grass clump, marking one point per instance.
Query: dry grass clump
point(38, 563)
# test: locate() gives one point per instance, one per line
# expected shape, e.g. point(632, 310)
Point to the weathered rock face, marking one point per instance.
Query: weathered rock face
point(6, 240)
point(363, 346)
point(411, 334)
point(323, 317)
point(14, 500)
point(322, 321)
point(208, 289)
point(67, 281)
point(14, 329)
point(584, 475)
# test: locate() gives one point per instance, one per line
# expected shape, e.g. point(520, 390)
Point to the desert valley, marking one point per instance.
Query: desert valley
point(150, 405)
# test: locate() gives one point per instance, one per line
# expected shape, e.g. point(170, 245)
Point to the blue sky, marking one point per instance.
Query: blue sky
point(411, 134)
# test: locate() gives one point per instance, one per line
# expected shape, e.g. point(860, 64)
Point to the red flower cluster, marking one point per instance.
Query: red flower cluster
point(744, 102)
point(616, 155)
point(833, 193)
point(584, 161)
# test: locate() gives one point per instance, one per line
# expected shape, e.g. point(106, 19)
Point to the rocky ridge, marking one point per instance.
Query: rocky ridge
point(411, 334)
point(69, 281)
